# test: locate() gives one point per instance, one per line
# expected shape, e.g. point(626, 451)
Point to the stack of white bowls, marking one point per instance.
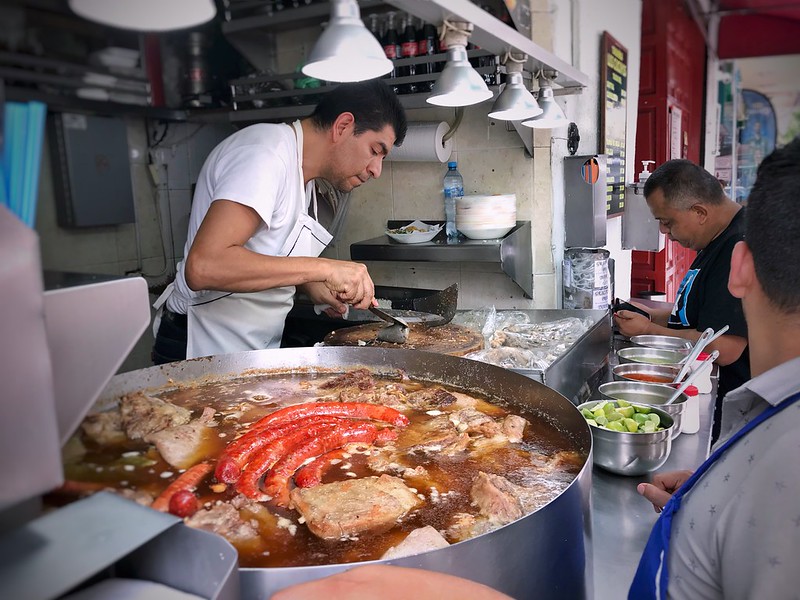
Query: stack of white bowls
point(486, 216)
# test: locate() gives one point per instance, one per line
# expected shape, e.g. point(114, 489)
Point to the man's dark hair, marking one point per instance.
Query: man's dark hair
point(373, 104)
point(772, 229)
point(684, 184)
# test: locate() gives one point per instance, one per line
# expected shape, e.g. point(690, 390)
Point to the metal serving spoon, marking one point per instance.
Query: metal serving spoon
point(397, 330)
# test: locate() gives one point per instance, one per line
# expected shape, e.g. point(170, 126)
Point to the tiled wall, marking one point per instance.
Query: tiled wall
point(491, 159)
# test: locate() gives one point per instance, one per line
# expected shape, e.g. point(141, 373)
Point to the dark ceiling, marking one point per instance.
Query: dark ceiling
point(749, 28)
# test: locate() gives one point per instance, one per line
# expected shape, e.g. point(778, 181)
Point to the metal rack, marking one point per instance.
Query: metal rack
point(253, 99)
point(512, 251)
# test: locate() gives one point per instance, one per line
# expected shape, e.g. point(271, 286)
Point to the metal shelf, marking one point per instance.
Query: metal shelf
point(63, 103)
point(512, 252)
point(492, 34)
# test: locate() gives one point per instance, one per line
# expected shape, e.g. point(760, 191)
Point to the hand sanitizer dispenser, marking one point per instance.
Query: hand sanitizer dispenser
point(645, 173)
point(639, 228)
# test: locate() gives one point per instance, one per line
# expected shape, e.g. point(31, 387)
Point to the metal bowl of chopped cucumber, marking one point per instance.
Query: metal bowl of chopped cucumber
point(628, 439)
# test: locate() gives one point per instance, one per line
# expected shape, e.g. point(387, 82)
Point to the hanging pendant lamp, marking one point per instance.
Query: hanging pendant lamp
point(346, 50)
point(146, 15)
point(458, 84)
point(515, 102)
point(552, 115)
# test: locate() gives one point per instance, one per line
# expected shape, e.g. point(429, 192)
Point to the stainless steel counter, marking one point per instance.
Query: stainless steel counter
point(622, 519)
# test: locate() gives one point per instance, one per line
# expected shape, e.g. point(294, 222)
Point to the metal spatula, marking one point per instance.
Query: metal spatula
point(397, 330)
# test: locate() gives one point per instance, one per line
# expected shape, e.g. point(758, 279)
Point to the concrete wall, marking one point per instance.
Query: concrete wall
point(162, 181)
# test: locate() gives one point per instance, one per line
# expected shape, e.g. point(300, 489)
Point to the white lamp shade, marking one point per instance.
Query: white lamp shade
point(346, 50)
point(146, 15)
point(552, 116)
point(459, 84)
point(515, 102)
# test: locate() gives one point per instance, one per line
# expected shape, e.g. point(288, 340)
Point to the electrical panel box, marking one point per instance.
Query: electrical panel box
point(91, 170)
point(585, 201)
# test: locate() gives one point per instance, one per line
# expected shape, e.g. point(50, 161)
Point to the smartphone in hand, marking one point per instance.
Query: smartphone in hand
point(622, 305)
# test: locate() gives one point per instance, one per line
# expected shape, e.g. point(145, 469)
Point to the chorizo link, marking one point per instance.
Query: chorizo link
point(238, 452)
point(311, 474)
point(265, 457)
point(188, 480)
point(276, 484)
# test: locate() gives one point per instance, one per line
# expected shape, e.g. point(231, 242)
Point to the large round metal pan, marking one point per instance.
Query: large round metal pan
point(545, 554)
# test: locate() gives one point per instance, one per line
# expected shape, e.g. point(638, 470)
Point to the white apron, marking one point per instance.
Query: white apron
point(235, 322)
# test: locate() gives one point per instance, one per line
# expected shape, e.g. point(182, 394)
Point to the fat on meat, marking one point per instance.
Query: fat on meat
point(223, 519)
point(430, 399)
point(104, 428)
point(438, 436)
point(142, 415)
point(349, 508)
point(502, 501)
point(497, 498)
point(182, 446)
point(418, 541)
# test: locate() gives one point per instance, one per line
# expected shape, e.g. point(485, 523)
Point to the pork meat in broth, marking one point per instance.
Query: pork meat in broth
point(303, 469)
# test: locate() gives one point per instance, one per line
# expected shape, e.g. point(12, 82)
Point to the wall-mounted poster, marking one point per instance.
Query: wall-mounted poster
point(613, 119)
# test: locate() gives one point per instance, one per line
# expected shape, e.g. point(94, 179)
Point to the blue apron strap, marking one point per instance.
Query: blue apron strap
point(654, 556)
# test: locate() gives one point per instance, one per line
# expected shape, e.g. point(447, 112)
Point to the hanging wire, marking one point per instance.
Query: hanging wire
point(456, 122)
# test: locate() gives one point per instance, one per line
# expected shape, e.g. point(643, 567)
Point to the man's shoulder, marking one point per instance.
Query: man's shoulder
point(262, 134)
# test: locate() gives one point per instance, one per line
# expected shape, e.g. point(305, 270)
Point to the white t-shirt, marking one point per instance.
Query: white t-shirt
point(256, 167)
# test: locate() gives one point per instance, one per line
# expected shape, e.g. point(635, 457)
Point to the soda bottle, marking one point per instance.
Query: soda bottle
point(428, 46)
point(453, 185)
point(391, 44)
point(409, 49)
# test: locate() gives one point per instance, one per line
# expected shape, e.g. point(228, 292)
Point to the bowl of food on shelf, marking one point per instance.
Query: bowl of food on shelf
point(629, 439)
point(415, 232)
point(653, 395)
point(653, 356)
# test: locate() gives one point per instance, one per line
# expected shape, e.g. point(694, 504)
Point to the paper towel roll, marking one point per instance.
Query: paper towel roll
point(424, 143)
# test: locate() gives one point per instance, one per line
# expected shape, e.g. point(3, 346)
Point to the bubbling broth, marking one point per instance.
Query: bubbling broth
point(441, 451)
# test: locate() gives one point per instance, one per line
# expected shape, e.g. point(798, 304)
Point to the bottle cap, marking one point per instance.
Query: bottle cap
point(452, 164)
point(689, 391)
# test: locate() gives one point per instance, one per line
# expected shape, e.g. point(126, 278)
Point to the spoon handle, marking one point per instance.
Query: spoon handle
point(716, 335)
point(692, 376)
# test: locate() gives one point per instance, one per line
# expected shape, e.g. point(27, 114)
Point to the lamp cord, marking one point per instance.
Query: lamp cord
point(455, 33)
point(456, 122)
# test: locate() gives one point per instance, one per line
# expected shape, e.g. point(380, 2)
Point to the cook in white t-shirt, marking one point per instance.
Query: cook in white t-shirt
point(253, 234)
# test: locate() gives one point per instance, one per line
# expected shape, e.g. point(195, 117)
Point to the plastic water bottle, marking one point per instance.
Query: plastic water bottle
point(453, 188)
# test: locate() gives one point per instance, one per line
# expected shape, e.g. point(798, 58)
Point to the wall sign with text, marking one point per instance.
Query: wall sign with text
point(613, 119)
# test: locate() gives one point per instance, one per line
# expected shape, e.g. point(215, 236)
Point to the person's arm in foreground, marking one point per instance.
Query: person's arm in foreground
point(389, 583)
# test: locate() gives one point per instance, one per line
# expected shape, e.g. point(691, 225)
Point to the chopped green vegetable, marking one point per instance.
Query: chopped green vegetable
point(622, 416)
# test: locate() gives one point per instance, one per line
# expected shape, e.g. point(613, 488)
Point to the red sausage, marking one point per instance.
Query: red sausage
point(188, 480)
point(238, 452)
point(264, 458)
point(183, 504)
point(311, 474)
point(276, 484)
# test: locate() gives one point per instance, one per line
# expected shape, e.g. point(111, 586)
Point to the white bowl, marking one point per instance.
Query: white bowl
point(415, 236)
point(484, 233)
